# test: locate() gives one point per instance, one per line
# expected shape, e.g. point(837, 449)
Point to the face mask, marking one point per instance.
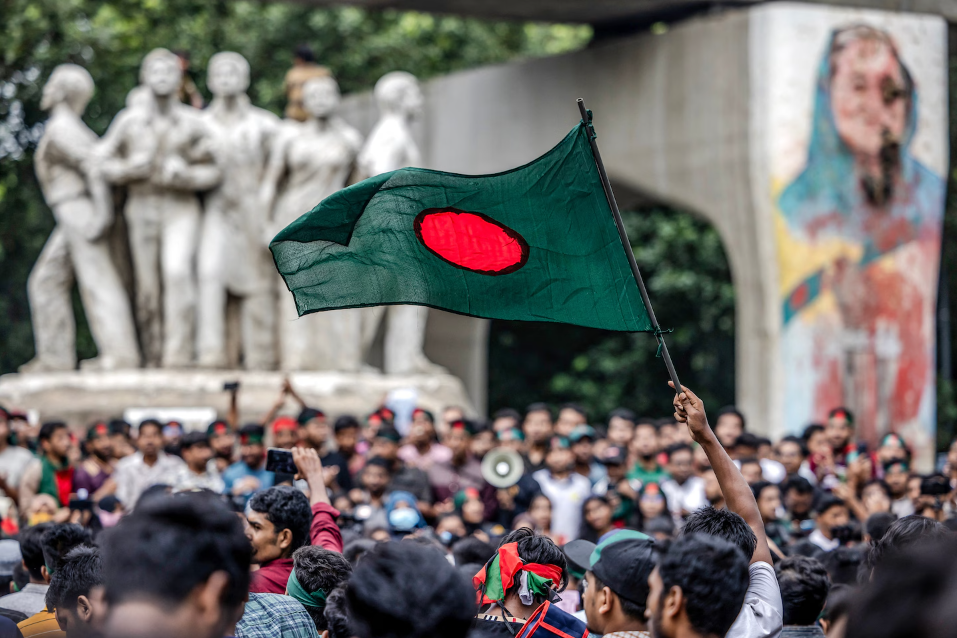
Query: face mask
point(403, 520)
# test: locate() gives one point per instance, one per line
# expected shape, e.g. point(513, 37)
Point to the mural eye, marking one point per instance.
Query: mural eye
point(891, 91)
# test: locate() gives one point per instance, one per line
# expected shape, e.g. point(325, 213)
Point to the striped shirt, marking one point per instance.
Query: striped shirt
point(41, 624)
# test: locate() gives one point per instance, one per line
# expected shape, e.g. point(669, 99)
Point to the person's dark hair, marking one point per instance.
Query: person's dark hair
point(48, 428)
point(58, 540)
point(337, 620)
point(119, 426)
point(160, 490)
point(355, 550)
point(536, 548)
point(191, 439)
point(472, 550)
point(320, 569)
point(713, 576)
point(751, 460)
point(911, 594)
point(838, 602)
point(31, 548)
point(828, 502)
point(882, 484)
point(674, 448)
point(801, 443)
point(623, 413)
point(507, 413)
point(763, 440)
point(804, 586)
point(730, 409)
point(799, 484)
point(902, 534)
point(634, 609)
point(286, 508)
point(843, 564)
point(168, 546)
point(759, 487)
point(378, 461)
point(576, 407)
point(345, 422)
point(746, 439)
point(21, 576)
point(538, 407)
point(150, 423)
point(647, 422)
point(81, 571)
point(402, 590)
point(877, 525)
point(723, 524)
point(304, 53)
point(810, 431)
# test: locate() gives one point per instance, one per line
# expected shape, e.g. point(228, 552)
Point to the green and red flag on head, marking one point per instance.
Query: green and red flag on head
point(507, 567)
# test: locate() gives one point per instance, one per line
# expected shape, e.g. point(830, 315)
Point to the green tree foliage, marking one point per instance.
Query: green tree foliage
point(684, 266)
point(110, 38)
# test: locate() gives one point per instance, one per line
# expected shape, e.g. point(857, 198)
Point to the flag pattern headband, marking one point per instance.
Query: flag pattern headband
point(500, 573)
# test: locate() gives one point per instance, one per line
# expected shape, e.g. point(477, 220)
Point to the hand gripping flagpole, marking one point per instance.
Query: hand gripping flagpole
point(610, 196)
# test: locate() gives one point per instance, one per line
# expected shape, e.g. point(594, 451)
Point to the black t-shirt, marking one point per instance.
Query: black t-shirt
point(485, 626)
point(344, 479)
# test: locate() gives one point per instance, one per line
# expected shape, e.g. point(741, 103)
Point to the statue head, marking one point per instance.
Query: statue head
point(320, 96)
point(68, 83)
point(227, 74)
point(162, 72)
point(398, 92)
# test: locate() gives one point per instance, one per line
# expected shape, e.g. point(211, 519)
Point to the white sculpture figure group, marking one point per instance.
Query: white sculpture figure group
point(205, 191)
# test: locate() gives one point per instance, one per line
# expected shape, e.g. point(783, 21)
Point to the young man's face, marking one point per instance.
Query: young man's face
point(798, 504)
point(833, 517)
point(896, 479)
point(150, 440)
point(253, 454)
point(346, 440)
point(482, 443)
point(504, 423)
point(712, 489)
point(316, 431)
point(196, 456)
point(596, 622)
point(838, 432)
point(559, 460)
point(875, 499)
point(537, 427)
point(285, 438)
point(568, 419)
point(769, 503)
point(582, 450)
point(667, 435)
point(266, 544)
point(728, 428)
point(59, 443)
point(752, 472)
point(620, 431)
point(645, 442)
point(680, 466)
point(86, 619)
point(375, 479)
point(653, 612)
point(385, 448)
point(817, 443)
point(789, 455)
point(101, 446)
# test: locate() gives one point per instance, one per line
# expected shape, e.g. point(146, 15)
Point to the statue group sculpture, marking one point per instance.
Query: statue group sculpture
point(203, 193)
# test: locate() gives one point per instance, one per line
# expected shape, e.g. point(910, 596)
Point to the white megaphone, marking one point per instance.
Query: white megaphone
point(502, 467)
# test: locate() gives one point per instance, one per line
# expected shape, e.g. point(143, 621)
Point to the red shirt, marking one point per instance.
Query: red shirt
point(271, 577)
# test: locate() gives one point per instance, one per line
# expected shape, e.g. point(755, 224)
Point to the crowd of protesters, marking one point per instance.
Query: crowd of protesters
point(625, 526)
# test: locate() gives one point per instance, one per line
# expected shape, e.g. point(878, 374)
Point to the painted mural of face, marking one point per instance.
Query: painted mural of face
point(228, 75)
point(163, 75)
point(868, 97)
point(320, 97)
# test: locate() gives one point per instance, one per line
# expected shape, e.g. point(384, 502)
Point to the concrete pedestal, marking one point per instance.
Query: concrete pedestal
point(79, 398)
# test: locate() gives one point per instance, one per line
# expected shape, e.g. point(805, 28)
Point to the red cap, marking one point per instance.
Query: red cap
point(284, 423)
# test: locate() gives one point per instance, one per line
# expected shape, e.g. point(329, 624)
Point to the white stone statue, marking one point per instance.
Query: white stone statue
point(390, 147)
point(232, 256)
point(163, 154)
point(82, 205)
point(310, 161)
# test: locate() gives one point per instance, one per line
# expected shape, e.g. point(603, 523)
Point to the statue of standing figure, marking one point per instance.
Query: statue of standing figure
point(309, 162)
point(163, 154)
point(78, 248)
point(232, 256)
point(390, 147)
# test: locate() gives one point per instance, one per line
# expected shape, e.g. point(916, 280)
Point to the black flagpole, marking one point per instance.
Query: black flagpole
point(610, 196)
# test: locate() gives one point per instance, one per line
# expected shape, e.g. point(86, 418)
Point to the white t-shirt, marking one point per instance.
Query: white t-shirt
point(762, 615)
point(567, 496)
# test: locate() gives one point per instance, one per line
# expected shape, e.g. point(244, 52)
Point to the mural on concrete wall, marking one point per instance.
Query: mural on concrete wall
point(858, 227)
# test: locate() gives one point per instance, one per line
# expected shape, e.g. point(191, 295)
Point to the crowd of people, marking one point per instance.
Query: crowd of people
point(624, 527)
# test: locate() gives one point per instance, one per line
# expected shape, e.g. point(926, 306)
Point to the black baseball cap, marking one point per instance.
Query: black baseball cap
point(623, 563)
point(578, 554)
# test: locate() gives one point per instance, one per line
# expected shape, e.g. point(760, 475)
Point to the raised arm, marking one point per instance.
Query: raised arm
point(737, 494)
point(323, 531)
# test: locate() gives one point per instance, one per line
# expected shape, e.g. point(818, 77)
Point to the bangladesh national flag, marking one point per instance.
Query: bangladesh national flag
point(536, 243)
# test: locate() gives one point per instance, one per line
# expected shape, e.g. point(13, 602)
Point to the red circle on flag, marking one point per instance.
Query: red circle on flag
point(471, 241)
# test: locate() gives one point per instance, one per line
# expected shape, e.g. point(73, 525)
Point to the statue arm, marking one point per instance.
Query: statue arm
point(275, 168)
point(198, 171)
point(109, 156)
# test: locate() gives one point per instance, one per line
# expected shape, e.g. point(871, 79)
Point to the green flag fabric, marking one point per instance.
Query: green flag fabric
point(536, 243)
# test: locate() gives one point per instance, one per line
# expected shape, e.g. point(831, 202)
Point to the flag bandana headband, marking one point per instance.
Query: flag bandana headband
point(501, 572)
point(294, 588)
